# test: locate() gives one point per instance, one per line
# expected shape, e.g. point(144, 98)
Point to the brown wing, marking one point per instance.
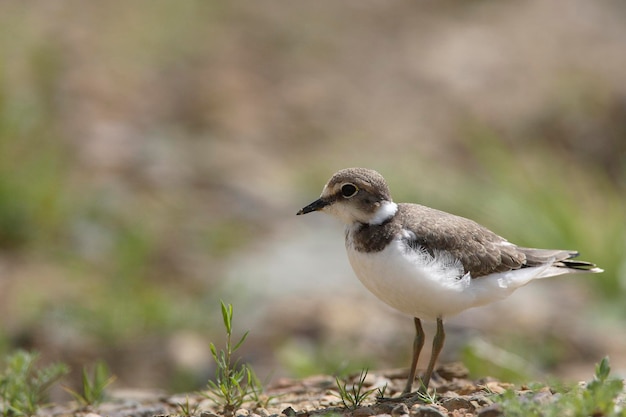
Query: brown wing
point(480, 250)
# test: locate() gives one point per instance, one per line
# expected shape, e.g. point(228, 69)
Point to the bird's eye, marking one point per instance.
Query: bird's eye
point(348, 190)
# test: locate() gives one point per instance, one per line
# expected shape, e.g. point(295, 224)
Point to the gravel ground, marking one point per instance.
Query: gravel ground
point(318, 395)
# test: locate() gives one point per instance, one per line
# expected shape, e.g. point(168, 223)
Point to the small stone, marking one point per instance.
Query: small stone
point(384, 407)
point(205, 404)
point(495, 387)
point(543, 397)
point(448, 394)
point(208, 414)
point(480, 400)
point(289, 412)
point(363, 412)
point(242, 412)
point(458, 403)
point(262, 412)
point(283, 383)
point(329, 399)
point(493, 410)
point(400, 410)
point(449, 371)
point(426, 411)
point(477, 404)
point(460, 387)
point(178, 399)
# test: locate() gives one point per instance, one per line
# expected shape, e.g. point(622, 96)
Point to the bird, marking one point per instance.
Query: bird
point(427, 263)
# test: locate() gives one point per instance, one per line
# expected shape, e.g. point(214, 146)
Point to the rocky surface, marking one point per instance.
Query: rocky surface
point(452, 394)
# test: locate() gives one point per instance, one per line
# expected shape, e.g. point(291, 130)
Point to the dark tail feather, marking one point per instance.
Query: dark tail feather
point(560, 259)
point(578, 265)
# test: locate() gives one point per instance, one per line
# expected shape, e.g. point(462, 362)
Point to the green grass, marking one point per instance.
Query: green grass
point(353, 395)
point(188, 410)
point(23, 386)
point(92, 390)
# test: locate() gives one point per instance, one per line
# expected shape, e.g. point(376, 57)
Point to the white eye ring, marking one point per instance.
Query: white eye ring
point(349, 190)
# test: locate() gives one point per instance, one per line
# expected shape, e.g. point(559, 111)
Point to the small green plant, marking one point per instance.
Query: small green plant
point(234, 382)
point(187, 410)
point(353, 396)
point(23, 389)
point(257, 396)
point(427, 397)
point(598, 397)
point(92, 389)
point(381, 391)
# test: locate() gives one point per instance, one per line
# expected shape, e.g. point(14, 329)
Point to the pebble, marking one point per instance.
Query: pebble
point(385, 408)
point(289, 411)
point(262, 412)
point(426, 411)
point(456, 398)
point(330, 399)
point(363, 412)
point(543, 396)
point(400, 410)
point(458, 403)
point(496, 387)
point(449, 371)
point(493, 410)
point(206, 404)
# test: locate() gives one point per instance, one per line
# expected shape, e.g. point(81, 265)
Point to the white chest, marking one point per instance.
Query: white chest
point(425, 286)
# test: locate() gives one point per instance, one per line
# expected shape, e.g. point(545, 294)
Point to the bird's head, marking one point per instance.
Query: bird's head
point(355, 195)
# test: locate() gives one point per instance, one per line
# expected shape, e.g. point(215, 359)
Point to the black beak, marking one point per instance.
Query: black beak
point(314, 206)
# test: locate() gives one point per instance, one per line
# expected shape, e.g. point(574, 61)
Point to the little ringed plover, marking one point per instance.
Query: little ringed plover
point(427, 263)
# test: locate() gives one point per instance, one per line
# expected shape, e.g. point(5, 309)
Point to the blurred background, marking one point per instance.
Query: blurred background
point(153, 157)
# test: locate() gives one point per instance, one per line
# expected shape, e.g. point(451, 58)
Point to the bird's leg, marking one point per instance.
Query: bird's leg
point(418, 342)
point(440, 337)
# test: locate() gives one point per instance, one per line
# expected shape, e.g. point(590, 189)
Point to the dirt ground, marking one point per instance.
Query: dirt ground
point(319, 395)
point(451, 394)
